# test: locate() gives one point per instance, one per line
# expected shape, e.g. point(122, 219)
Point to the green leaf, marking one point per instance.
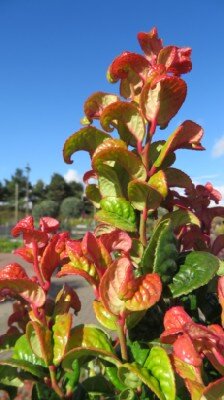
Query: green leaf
point(142, 195)
point(136, 251)
point(23, 352)
point(159, 366)
point(41, 392)
point(109, 184)
point(129, 378)
point(159, 183)
point(88, 139)
point(26, 366)
point(61, 332)
point(181, 217)
point(177, 178)
point(140, 352)
point(112, 374)
point(143, 375)
point(198, 269)
point(89, 336)
point(128, 394)
point(161, 100)
point(93, 194)
point(117, 212)
point(97, 385)
point(166, 254)
point(114, 150)
point(97, 102)
point(27, 289)
point(82, 352)
point(149, 253)
point(9, 376)
point(40, 340)
point(105, 318)
point(125, 117)
point(154, 151)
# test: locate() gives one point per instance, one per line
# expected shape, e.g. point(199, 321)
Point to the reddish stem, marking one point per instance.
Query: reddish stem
point(36, 264)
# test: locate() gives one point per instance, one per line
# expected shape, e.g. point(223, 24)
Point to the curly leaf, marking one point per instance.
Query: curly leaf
point(150, 43)
point(97, 102)
point(105, 318)
point(148, 290)
point(115, 150)
point(186, 136)
point(126, 118)
point(158, 181)
point(87, 139)
point(40, 340)
point(142, 195)
point(61, 332)
point(159, 365)
point(124, 64)
point(176, 60)
point(66, 298)
point(118, 212)
point(199, 269)
point(89, 336)
point(109, 184)
point(93, 194)
point(162, 98)
point(25, 288)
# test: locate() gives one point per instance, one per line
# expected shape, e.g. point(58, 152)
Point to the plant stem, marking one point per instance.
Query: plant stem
point(54, 383)
point(122, 338)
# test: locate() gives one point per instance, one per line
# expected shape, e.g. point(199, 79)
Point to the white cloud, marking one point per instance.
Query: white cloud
point(72, 176)
point(218, 148)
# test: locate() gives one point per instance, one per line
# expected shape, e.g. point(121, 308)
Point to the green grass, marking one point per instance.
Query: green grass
point(8, 245)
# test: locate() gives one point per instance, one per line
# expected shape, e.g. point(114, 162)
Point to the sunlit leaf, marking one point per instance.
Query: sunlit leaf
point(158, 181)
point(105, 318)
point(66, 298)
point(162, 98)
point(181, 217)
point(40, 340)
point(61, 332)
point(150, 43)
point(177, 178)
point(109, 184)
point(87, 139)
point(93, 194)
point(23, 352)
point(118, 212)
point(142, 195)
point(96, 103)
point(198, 269)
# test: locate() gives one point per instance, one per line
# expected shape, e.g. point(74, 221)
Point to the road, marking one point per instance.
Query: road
point(84, 291)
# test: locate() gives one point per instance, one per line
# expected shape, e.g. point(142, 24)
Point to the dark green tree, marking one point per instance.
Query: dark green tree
point(48, 208)
point(72, 207)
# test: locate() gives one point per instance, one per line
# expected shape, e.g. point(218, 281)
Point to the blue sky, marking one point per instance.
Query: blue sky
point(55, 53)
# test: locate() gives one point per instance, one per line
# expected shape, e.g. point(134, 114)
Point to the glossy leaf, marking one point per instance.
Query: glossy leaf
point(129, 378)
point(186, 136)
point(145, 377)
point(9, 376)
point(126, 118)
point(198, 269)
point(184, 349)
point(109, 184)
point(25, 288)
point(26, 366)
point(158, 363)
point(97, 102)
point(118, 212)
point(112, 375)
point(61, 333)
point(142, 195)
point(40, 340)
point(158, 181)
point(140, 352)
point(116, 240)
point(90, 352)
point(69, 269)
point(154, 151)
point(23, 352)
point(115, 150)
point(93, 194)
point(87, 139)
point(148, 292)
point(97, 386)
point(105, 318)
point(166, 254)
point(13, 271)
point(89, 336)
point(161, 99)
point(50, 259)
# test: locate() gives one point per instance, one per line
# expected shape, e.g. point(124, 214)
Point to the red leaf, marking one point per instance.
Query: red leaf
point(161, 99)
point(150, 43)
point(69, 269)
point(148, 290)
point(116, 240)
point(176, 318)
point(221, 296)
point(185, 350)
point(13, 271)
point(49, 224)
point(176, 59)
point(89, 175)
point(97, 102)
point(24, 225)
point(127, 61)
point(25, 252)
point(50, 259)
point(218, 245)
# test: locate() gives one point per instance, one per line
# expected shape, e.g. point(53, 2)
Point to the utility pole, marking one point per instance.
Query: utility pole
point(16, 201)
point(27, 169)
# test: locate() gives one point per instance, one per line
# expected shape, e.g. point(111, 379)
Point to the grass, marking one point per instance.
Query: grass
point(8, 245)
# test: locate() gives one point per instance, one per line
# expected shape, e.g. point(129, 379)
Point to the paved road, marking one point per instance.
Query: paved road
point(83, 289)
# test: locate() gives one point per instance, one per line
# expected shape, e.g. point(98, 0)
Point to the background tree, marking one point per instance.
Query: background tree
point(46, 208)
point(71, 207)
point(39, 191)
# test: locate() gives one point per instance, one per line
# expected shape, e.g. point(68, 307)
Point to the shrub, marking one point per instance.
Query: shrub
point(173, 273)
point(71, 207)
point(46, 208)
